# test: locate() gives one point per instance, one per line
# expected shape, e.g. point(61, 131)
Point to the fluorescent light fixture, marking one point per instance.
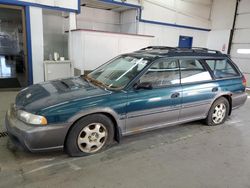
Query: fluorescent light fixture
point(243, 51)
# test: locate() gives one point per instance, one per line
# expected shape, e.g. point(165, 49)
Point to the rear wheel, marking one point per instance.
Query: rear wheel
point(218, 113)
point(91, 134)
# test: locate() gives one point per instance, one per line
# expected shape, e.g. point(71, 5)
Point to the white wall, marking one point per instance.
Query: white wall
point(218, 40)
point(169, 36)
point(69, 4)
point(128, 21)
point(55, 39)
point(194, 13)
point(223, 14)
point(106, 20)
point(241, 39)
point(222, 17)
point(98, 19)
point(135, 2)
point(92, 49)
point(36, 23)
point(191, 13)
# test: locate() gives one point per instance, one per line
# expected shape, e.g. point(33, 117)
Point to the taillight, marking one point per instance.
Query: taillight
point(244, 81)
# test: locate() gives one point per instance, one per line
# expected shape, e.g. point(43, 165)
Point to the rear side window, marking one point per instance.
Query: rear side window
point(193, 71)
point(222, 68)
point(162, 73)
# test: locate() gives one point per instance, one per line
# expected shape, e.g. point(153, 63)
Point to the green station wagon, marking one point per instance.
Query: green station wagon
point(148, 89)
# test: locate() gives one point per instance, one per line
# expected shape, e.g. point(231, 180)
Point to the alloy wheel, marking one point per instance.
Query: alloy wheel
point(92, 137)
point(219, 113)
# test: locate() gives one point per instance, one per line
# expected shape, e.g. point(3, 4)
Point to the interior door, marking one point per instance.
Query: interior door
point(150, 108)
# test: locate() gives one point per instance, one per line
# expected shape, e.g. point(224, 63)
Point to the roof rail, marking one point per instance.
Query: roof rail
point(178, 49)
point(159, 48)
point(206, 50)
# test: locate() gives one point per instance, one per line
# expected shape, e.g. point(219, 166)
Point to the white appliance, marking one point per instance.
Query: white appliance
point(57, 69)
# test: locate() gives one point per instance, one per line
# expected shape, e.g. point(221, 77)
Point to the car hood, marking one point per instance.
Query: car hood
point(47, 94)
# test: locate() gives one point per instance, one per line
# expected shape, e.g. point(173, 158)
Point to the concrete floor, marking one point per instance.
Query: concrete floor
point(190, 155)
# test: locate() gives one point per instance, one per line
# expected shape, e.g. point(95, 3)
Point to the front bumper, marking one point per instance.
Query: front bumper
point(36, 138)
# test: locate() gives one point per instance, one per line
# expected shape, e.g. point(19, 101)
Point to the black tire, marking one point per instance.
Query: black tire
point(210, 120)
point(72, 146)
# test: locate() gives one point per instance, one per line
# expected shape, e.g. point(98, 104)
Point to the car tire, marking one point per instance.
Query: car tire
point(89, 135)
point(218, 112)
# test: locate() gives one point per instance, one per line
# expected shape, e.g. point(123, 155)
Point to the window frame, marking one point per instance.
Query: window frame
point(150, 65)
point(203, 64)
point(202, 60)
point(229, 61)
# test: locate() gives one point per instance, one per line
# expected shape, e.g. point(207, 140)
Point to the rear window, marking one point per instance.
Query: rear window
point(222, 68)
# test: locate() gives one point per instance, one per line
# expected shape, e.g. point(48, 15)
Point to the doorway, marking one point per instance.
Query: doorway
point(185, 42)
point(13, 48)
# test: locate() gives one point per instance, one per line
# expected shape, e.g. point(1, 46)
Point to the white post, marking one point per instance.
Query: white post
point(36, 29)
point(72, 26)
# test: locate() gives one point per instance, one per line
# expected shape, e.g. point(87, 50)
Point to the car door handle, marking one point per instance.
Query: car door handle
point(175, 95)
point(215, 89)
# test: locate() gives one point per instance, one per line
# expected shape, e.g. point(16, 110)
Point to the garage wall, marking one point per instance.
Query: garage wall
point(191, 13)
point(222, 15)
point(241, 39)
point(183, 12)
point(105, 20)
point(219, 40)
point(98, 19)
point(69, 4)
point(169, 36)
point(55, 39)
point(129, 22)
point(91, 49)
point(188, 13)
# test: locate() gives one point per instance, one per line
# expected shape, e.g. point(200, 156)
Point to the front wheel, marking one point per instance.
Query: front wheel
point(90, 135)
point(218, 112)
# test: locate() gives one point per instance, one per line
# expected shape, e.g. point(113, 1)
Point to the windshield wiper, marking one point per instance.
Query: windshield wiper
point(94, 81)
point(85, 77)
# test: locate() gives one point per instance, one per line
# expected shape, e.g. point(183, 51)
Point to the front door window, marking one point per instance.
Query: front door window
point(162, 74)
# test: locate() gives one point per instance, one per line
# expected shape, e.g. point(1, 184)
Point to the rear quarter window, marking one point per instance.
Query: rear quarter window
point(222, 68)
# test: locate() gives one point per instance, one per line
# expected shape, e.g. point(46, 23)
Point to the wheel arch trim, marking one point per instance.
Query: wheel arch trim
point(118, 121)
point(227, 95)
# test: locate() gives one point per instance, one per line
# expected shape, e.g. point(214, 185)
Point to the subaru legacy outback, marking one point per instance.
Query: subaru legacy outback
point(148, 89)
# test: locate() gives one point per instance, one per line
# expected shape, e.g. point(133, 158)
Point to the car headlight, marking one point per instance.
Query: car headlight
point(31, 118)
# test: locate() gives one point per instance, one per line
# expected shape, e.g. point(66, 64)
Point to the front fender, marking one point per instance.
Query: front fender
point(119, 119)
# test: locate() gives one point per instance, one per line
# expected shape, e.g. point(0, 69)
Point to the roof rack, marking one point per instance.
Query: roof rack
point(179, 50)
point(159, 48)
point(197, 50)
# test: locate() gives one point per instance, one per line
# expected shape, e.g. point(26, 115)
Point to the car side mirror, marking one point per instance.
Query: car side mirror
point(143, 85)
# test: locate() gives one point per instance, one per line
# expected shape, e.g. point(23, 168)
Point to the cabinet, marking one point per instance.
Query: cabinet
point(57, 69)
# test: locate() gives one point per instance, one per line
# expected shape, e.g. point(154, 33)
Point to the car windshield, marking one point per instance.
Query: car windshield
point(117, 73)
